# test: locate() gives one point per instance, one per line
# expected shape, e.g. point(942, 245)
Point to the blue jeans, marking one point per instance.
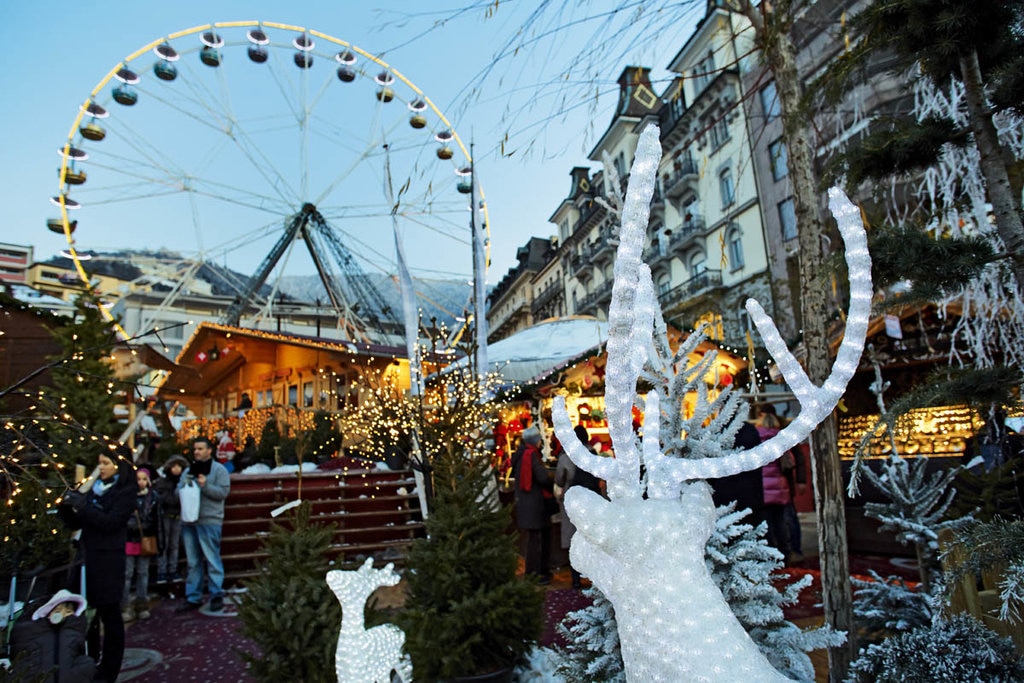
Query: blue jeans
point(167, 561)
point(136, 565)
point(202, 544)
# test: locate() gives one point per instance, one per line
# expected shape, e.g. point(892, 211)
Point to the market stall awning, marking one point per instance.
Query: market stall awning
point(540, 350)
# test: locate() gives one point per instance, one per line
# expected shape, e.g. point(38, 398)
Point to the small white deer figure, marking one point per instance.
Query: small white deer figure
point(366, 655)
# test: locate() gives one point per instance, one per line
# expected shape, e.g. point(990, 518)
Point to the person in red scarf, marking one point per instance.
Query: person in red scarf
point(535, 503)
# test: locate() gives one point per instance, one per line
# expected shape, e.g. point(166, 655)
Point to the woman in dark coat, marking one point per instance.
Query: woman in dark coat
point(102, 514)
point(535, 504)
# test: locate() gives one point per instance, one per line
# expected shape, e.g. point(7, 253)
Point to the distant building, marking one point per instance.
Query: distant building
point(511, 300)
point(14, 262)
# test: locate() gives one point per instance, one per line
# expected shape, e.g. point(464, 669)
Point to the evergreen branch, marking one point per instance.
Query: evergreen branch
point(907, 252)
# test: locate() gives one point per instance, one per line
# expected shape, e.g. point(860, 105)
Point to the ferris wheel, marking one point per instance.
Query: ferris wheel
point(270, 154)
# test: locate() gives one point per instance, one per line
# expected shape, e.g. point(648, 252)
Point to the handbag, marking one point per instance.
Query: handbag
point(189, 494)
point(147, 547)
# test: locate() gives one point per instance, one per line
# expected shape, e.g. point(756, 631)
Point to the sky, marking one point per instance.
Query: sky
point(251, 156)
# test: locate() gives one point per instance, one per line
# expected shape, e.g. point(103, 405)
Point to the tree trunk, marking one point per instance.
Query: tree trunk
point(993, 163)
point(829, 496)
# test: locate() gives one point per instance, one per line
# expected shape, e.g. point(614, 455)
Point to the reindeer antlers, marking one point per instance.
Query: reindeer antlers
point(631, 326)
point(815, 402)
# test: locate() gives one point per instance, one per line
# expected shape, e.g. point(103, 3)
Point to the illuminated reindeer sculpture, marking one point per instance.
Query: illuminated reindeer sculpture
point(647, 555)
point(366, 655)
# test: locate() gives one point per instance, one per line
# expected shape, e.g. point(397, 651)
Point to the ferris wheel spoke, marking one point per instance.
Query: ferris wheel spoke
point(146, 151)
point(206, 187)
point(371, 146)
point(232, 129)
point(235, 130)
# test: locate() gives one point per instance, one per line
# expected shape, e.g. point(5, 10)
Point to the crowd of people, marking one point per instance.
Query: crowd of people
point(126, 515)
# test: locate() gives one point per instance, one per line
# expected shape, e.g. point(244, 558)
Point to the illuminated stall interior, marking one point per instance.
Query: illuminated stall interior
point(581, 382)
point(288, 377)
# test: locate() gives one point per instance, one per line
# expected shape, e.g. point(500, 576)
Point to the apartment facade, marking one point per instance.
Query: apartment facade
point(706, 242)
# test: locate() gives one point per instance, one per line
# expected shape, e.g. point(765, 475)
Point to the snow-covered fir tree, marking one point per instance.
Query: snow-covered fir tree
point(744, 567)
point(916, 507)
point(888, 605)
point(949, 651)
point(592, 653)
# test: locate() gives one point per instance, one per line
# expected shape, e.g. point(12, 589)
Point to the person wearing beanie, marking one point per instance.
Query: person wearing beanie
point(145, 521)
point(166, 488)
point(535, 503)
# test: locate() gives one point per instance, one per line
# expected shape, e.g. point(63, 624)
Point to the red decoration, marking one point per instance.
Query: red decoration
point(201, 357)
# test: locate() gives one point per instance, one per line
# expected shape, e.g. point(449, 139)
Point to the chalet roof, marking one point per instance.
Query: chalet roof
point(212, 353)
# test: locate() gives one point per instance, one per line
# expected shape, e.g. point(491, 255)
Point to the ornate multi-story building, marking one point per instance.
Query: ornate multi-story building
point(706, 245)
point(510, 302)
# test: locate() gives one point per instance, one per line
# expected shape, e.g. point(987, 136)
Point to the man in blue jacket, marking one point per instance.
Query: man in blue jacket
point(202, 537)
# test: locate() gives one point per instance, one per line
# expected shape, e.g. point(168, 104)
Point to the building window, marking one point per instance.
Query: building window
point(307, 394)
point(735, 246)
point(703, 72)
point(664, 283)
point(779, 158)
point(620, 166)
point(293, 395)
point(698, 264)
point(719, 134)
point(770, 102)
point(726, 187)
point(787, 216)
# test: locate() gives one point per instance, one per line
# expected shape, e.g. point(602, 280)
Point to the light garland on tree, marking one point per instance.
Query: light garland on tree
point(647, 556)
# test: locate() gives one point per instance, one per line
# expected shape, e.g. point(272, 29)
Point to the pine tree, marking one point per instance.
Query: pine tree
point(322, 441)
point(745, 568)
point(916, 508)
point(948, 651)
point(74, 418)
point(592, 653)
point(466, 612)
point(83, 381)
point(288, 610)
point(886, 606)
point(977, 45)
point(270, 440)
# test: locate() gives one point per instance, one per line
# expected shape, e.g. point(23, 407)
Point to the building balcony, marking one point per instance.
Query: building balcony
point(682, 179)
point(591, 303)
point(580, 266)
point(698, 285)
point(513, 315)
point(546, 296)
point(657, 253)
point(603, 249)
point(691, 228)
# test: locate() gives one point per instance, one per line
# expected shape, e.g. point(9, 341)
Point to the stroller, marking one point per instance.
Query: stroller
point(44, 638)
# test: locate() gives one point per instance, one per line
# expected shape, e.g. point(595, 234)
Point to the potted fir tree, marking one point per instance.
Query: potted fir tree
point(467, 617)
